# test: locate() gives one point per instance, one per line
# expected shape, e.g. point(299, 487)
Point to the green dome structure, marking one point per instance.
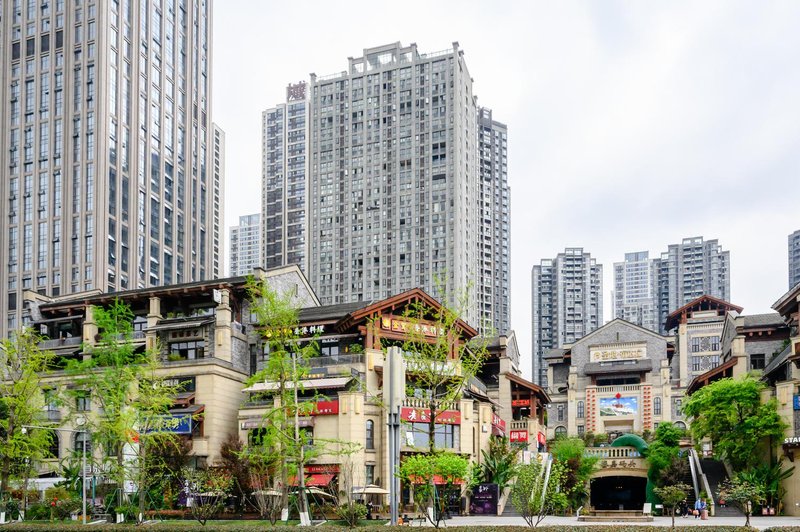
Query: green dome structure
point(631, 440)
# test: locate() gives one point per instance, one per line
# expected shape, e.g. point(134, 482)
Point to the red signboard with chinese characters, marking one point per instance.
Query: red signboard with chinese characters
point(423, 415)
point(326, 408)
point(519, 436)
point(521, 402)
point(321, 468)
point(541, 437)
point(498, 422)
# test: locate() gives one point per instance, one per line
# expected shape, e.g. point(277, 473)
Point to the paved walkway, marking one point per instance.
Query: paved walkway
point(757, 522)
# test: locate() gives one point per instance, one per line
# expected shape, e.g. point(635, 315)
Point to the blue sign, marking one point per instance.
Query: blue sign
point(797, 402)
point(176, 424)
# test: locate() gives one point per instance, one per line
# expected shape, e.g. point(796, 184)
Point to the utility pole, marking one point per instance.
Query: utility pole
point(397, 392)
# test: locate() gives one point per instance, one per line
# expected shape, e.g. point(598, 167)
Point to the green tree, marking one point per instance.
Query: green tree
point(134, 401)
point(671, 497)
point(280, 442)
point(578, 468)
point(22, 365)
point(663, 455)
point(534, 497)
point(770, 476)
point(499, 465)
point(730, 412)
point(208, 489)
point(419, 471)
point(439, 366)
point(743, 494)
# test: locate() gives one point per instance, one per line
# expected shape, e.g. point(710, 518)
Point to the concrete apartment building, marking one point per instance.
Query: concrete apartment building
point(207, 345)
point(284, 194)
point(614, 380)
point(108, 151)
point(494, 239)
point(351, 374)
point(634, 298)
point(394, 177)
point(794, 259)
point(689, 270)
point(245, 246)
point(567, 297)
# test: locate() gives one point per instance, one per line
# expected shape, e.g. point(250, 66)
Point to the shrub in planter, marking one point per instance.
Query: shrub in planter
point(37, 511)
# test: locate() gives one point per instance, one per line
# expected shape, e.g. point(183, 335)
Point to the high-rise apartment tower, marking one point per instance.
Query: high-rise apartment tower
point(794, 259)
point(105, 172)
point(494, 211)
point(245, 245)
point(635, 297)
point(394, 177)
point(284, 194)
point(688, 270)
point(567, 303)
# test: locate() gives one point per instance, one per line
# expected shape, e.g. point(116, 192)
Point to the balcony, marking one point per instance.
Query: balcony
point(57, 343)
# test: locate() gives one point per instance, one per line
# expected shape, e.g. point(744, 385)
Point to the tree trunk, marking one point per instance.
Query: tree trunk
point(142, 475)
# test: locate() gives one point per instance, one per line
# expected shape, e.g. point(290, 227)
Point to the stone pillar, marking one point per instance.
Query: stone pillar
point(683, 354)
point(223, 345)
point(153, 317)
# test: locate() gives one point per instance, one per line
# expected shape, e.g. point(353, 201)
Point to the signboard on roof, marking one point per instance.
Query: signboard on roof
point(617, 352)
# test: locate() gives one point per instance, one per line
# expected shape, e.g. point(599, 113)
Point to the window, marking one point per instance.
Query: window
point(370, 434)
point(695, 363)
point(657, 406)
point(561, 431)
point(370, 474)
point(758, 361)
point(678, 410)
point(83, 402)
point(187, 350)
point(53, 448)
point(580, 413)
point(82, 438)
point(560, 413)
point(581, 430)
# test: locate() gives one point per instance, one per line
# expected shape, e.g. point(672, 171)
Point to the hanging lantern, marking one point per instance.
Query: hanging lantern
point(618, 395)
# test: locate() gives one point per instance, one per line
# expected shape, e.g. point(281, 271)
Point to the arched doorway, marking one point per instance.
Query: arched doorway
point(618, 493)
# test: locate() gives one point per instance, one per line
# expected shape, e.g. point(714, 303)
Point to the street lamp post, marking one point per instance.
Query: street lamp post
point(80, 421)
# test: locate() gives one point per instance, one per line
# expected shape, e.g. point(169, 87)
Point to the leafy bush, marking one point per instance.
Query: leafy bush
point(37, 511)
point(351, 513)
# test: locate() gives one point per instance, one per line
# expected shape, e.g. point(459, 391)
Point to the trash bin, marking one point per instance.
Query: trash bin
point(704, 514)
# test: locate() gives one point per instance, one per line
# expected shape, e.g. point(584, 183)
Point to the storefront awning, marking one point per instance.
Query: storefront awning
point(309, 384)
point(314, 479)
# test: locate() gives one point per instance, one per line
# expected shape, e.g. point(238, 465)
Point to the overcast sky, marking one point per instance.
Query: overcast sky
point(631, 124)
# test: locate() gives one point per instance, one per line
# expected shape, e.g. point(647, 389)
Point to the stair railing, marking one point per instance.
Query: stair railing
point(703, 481)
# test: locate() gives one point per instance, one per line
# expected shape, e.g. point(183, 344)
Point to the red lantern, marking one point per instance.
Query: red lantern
point(618, 395)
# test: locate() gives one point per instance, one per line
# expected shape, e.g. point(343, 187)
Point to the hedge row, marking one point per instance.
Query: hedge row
point(372, 528)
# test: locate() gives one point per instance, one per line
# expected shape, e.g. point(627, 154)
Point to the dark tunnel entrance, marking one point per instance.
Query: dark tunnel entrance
point(618, 493)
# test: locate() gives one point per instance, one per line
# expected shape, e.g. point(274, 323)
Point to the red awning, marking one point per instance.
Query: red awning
point(314, 479)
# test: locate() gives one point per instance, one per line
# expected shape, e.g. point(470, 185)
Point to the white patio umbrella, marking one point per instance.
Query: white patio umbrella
point(372, 489)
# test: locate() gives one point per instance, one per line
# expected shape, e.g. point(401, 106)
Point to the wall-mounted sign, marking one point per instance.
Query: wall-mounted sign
point(518, 436)
point(796, 401)
point(175, 424)
point(609, 353)
point(321, 468)
point(406, 326)
point(619, 406)
point(521, 402)
point(423, 415)
point(498, 422)
point(326, 408)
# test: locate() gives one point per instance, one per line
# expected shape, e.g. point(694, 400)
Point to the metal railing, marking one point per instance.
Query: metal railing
point(613, 452)
point(335, 360)
point(60, 342)
point(620, 388)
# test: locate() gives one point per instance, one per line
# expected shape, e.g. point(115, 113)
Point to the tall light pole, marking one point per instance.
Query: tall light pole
point(79, 421)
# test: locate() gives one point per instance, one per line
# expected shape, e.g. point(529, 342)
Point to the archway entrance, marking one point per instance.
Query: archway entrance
point(618, 493)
